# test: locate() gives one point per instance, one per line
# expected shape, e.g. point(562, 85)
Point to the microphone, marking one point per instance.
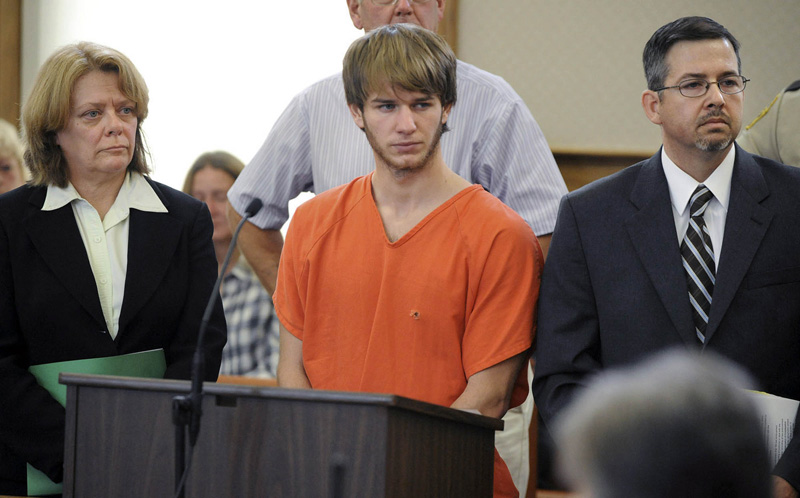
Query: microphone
point(252, 208)
point(198, 362)
point(190, 406)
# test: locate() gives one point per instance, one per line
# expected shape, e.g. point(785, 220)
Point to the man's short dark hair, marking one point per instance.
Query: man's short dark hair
point(684, 29)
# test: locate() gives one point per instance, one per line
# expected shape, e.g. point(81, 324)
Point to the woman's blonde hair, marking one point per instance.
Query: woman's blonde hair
point(47, 109)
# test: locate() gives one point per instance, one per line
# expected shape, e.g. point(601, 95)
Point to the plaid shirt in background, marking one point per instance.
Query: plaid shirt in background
point(253, 332)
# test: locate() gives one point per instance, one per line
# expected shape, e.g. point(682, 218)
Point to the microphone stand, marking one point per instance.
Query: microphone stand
point(187, 409)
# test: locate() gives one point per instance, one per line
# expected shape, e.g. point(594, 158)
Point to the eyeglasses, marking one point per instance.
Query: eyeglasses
point(696, 87)
point(384, 3)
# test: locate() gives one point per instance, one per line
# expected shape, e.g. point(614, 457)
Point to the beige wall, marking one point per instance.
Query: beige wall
point(577, 63)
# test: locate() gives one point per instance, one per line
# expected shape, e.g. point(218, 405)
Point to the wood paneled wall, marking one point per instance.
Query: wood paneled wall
point(448, 28)
point(581, 168)
point(10, 30)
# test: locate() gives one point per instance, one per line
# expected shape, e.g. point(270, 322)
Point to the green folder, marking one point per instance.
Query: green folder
point(151, 364)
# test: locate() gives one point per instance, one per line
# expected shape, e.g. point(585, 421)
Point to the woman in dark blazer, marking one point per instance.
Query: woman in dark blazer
point(96, 259)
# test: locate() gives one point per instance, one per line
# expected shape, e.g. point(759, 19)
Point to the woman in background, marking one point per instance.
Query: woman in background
point(11, 173)
point(96, 259)
point(253, 333)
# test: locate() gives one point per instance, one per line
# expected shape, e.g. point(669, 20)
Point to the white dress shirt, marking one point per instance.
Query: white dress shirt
point(681, 188)
point(106, 240)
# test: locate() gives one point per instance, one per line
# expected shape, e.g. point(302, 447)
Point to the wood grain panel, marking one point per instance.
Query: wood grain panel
point(10, 21)
point(261, 441)
point(582, 168)
point(448, 28)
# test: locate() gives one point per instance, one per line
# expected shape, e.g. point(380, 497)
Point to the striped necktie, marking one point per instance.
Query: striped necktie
point(698, 260)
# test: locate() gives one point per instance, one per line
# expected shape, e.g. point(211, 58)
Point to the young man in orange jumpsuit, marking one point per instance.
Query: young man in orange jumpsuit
point(409, 280)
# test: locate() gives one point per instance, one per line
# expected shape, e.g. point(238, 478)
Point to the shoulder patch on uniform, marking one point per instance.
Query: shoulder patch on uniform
point(791, 88)
point(763, 112)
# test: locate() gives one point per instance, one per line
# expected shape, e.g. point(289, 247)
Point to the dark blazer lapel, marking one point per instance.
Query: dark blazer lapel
point(58, 241)
point(745, 225)
point(652, 233)
point(152, 241)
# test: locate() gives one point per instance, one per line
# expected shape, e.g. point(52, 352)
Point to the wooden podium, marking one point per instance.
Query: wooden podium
point(271, 442)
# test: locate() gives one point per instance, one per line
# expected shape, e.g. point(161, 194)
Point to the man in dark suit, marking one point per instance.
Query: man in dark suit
point(698, 245)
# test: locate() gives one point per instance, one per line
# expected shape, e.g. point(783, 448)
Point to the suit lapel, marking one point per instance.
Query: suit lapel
point(152, 242)
point(745, 225)
point(652, 233)
point(58, 241)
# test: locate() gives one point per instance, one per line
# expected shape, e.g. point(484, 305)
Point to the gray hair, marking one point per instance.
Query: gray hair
point(677, 425)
